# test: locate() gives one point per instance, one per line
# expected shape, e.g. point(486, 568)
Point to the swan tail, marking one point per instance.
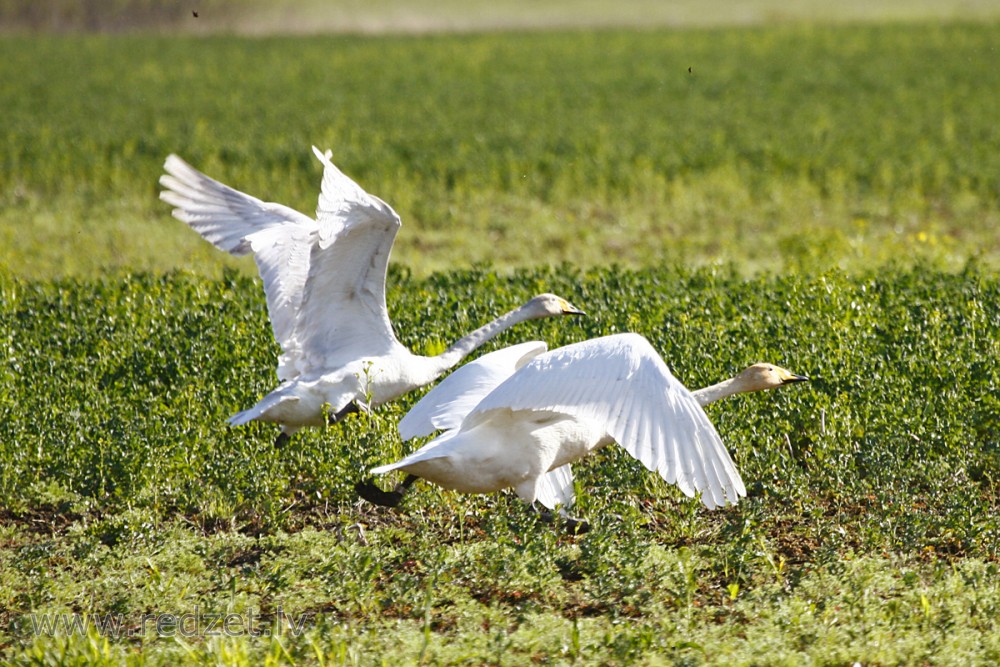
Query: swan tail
point(261, 410)
point(435, 449)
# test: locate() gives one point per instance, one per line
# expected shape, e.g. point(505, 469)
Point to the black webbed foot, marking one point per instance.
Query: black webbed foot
point(282, 440)
point(376, 496)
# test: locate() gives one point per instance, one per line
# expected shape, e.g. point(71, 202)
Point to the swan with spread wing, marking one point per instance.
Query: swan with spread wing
point(517, 418)
point(324, 280)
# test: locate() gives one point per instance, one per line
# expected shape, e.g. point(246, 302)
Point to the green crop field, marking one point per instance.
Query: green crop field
point(796, 146)
point(821, 196)
point(871, 531)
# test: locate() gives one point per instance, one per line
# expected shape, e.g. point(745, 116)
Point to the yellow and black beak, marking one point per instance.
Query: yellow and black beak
point(570, 309)
point(791, 378)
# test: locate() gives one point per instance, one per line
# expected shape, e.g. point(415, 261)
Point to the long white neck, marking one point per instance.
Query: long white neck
point(713, 393)
point(466, 344)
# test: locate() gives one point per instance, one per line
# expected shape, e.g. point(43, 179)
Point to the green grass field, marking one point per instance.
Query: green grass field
point(871, 530)
point(796, 146)
point(825, 197)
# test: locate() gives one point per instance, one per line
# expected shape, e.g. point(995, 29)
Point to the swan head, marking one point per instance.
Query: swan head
point(550, 305)
point(765, 376)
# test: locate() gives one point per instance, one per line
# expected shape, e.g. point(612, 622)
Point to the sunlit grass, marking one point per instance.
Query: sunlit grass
point(870, 532)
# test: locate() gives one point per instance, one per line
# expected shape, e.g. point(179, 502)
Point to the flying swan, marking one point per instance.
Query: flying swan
point(324, 280)
point(519, 416)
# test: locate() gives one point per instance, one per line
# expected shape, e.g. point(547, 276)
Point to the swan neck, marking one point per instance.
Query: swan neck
point(717, 391)
point(466, 344)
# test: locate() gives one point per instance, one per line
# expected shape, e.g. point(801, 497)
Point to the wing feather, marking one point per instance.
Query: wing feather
point(282, 257)
point(672, 459)
point(222, 215)
point(439, 447)
point(642, 433)
point(447, 404)
point(343, 312)
point(555, 488)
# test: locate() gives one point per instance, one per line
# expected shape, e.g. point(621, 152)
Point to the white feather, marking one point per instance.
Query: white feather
point(447, 404)
point(223, 216)
point(555, 488)
point(620, 381)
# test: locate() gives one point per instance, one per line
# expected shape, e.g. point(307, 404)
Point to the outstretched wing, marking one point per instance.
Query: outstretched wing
point(343, 313)
point(282, 255)
point(279, 237)
point(221, 215)
point(622, 382)
point(446, 405)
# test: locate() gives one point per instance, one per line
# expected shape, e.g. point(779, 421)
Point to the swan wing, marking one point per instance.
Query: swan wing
point(555, 488)
point(282, 255)
point(223, 216)
point(343, 314)
point(279, 237)
point(622, 382)
point(446, 405)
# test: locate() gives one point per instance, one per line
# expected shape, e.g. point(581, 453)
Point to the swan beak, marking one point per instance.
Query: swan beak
point(791, 379)
point(570, 309)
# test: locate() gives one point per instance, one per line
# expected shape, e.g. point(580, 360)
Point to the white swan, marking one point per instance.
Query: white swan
point(324, 279)
point(519, 416)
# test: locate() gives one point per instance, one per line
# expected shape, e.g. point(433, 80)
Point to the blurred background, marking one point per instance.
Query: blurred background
point(763, 134)
point(378, 16)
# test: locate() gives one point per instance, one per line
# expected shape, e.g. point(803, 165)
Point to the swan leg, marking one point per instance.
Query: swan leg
point(574, 525)
point(376, 496)
point(543, 515)
point(287, 431)
point(348, 409)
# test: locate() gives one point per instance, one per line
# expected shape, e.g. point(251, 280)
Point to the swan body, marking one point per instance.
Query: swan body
point(518, 418)
point(324, 280)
